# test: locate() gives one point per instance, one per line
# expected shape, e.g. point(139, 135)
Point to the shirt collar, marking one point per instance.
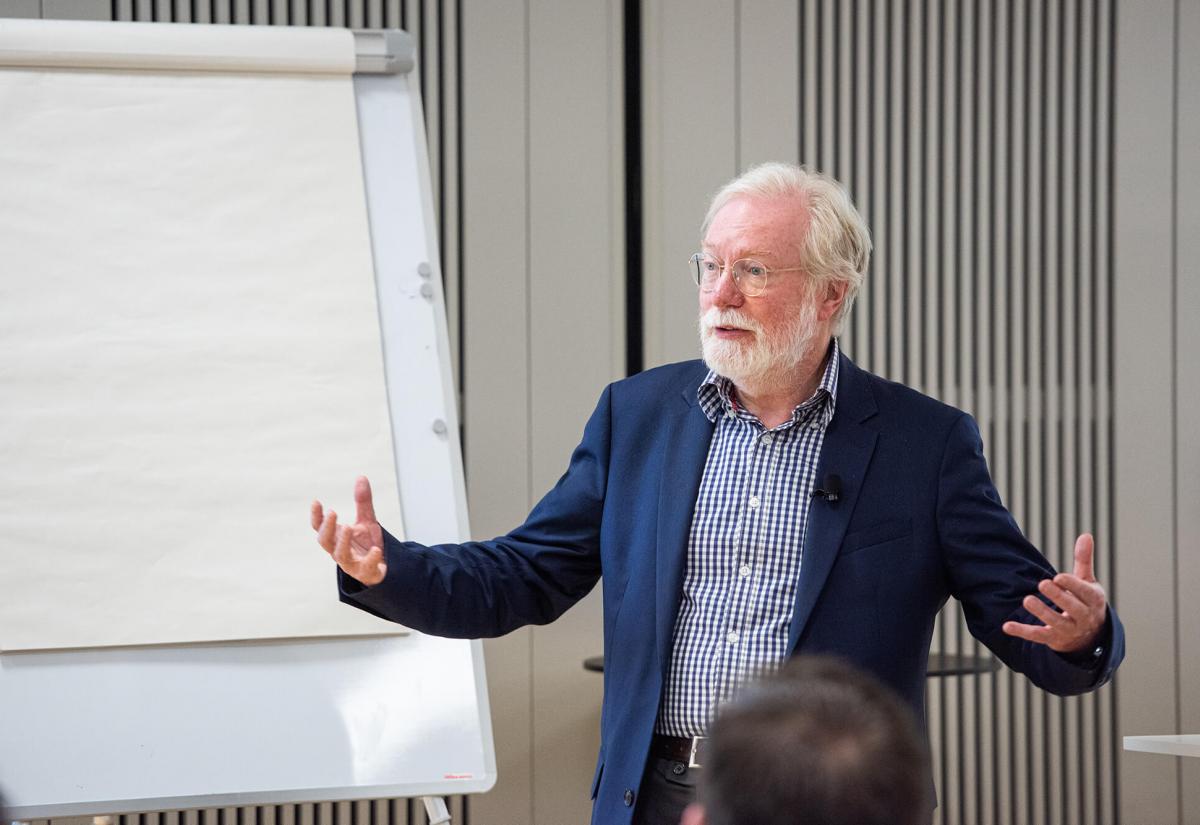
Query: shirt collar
point(718, 397)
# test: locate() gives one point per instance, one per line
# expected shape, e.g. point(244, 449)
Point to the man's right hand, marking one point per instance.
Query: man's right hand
point(357, 548)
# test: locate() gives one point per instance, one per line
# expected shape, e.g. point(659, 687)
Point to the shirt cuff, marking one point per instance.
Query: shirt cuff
point(1091, 657)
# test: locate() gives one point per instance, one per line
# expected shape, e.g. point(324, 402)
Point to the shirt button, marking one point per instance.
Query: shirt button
point(732, 637)
point(753, 502)
point(767, 438)
point(745, 571)
point(628, 797)
point(730, 413)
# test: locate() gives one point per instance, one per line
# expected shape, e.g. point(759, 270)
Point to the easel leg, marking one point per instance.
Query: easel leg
point(435, 809)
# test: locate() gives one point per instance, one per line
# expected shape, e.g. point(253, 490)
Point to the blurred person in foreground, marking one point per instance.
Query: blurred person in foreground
point(819, 743)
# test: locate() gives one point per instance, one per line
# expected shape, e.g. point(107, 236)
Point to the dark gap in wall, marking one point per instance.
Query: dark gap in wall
point(459, 195)
point(634, 310)
point(800, 148)
point(441, 135)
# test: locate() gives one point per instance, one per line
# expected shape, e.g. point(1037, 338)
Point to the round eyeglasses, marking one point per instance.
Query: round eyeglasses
point(750, 276)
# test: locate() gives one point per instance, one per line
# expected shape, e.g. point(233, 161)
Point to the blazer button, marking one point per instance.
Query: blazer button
point(628, 797)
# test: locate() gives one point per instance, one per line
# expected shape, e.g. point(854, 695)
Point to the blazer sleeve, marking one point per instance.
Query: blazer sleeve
point(991, 567)
point(532, 575)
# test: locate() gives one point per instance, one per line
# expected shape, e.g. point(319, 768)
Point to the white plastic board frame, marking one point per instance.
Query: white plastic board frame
point(139, 729)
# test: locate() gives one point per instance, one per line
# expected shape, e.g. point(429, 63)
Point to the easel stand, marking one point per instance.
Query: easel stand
point(435, 809)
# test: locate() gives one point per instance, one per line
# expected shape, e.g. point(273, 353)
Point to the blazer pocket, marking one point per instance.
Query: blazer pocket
point(876, 535)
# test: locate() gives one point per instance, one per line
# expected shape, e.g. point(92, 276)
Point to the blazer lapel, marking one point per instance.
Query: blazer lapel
point(846, 452)
point(683, 465)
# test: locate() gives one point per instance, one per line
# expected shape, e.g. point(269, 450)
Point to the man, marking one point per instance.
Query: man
point(773, 499)
point(820, 743)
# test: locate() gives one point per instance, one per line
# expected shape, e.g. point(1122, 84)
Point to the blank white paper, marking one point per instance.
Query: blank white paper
point(191, 354)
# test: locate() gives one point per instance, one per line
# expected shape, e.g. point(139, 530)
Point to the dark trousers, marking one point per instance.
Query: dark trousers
point(667, 788)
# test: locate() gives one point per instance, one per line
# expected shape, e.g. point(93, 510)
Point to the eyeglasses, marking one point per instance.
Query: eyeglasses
point(749, 276)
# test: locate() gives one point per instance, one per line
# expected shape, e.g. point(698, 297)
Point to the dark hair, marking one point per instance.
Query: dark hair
point(819, 743)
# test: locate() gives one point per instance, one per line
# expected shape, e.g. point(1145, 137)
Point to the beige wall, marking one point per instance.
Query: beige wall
point(1157, 298)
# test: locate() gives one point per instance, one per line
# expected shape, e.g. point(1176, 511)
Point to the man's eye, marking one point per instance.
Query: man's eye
point(755, 270)
point(711, 266)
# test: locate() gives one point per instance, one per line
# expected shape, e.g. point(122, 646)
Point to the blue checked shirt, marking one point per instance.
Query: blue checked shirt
point(744, 551)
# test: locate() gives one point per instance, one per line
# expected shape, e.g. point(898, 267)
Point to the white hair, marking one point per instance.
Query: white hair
point(837, 246)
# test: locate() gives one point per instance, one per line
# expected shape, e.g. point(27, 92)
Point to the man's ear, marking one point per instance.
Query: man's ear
point(693, 815)
point(834, 293)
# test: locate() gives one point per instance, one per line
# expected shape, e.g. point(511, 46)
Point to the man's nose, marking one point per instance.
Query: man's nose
point(725, 291)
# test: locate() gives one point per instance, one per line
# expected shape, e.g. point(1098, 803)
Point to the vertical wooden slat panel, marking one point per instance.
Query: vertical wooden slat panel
point(1089, 745)
point(1103, 171)
point(855, 336)
point(1053, 345)
point(846, 103)
point(809, 35)
point(872, 356)
point(826, 119)
point(892, 252)
point(910, 195)
point(994, 777)
point(931, 269)
point(1069, 219)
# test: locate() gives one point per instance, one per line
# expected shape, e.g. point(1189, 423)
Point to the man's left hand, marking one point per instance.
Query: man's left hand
point(1082, 606)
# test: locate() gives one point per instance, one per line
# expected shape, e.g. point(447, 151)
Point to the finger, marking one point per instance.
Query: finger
point(326, 535)
point(376, 562)
point(341, 553)
point(1085, 548)
point(362, 499)
point(317, 516)
point(1029, 632)
point(1089, 594)
point(1065, 599)
point(1038, 608)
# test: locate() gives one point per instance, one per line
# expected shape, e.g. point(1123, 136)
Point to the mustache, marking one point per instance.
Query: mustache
point(727, 318)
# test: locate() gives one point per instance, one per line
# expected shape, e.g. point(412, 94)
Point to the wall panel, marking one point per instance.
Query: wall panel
point(576, 344)
point(1186, 301)
point(1144, 237)
point(689, 114)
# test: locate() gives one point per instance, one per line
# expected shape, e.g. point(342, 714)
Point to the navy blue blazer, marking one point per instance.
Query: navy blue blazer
point(918, 520)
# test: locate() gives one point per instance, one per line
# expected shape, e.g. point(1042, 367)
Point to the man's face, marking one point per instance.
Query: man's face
point(752, 339)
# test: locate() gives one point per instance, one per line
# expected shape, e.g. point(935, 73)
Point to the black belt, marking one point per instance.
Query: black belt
point(686, 749)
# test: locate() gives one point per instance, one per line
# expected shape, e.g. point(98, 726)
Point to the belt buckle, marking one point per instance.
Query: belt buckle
point(696, 740)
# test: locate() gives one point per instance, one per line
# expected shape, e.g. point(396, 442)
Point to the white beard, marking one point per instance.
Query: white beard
point(766, 359)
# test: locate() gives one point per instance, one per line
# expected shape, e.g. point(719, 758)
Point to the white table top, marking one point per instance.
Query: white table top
point(1176, 745)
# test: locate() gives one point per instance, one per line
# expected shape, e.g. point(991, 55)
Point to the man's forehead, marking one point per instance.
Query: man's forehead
point(758, 226)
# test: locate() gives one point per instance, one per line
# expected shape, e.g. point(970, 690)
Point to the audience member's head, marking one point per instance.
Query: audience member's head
point(819, 743)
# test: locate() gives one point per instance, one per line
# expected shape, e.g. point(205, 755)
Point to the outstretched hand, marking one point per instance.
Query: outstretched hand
point(357, 548)
point(1082, 606)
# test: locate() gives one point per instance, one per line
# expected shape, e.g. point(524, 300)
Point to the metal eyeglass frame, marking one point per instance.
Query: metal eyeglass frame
point(733, 269)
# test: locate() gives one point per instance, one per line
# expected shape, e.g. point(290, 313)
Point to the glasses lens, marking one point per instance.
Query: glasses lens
point(751, 276)
point(705, 270)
